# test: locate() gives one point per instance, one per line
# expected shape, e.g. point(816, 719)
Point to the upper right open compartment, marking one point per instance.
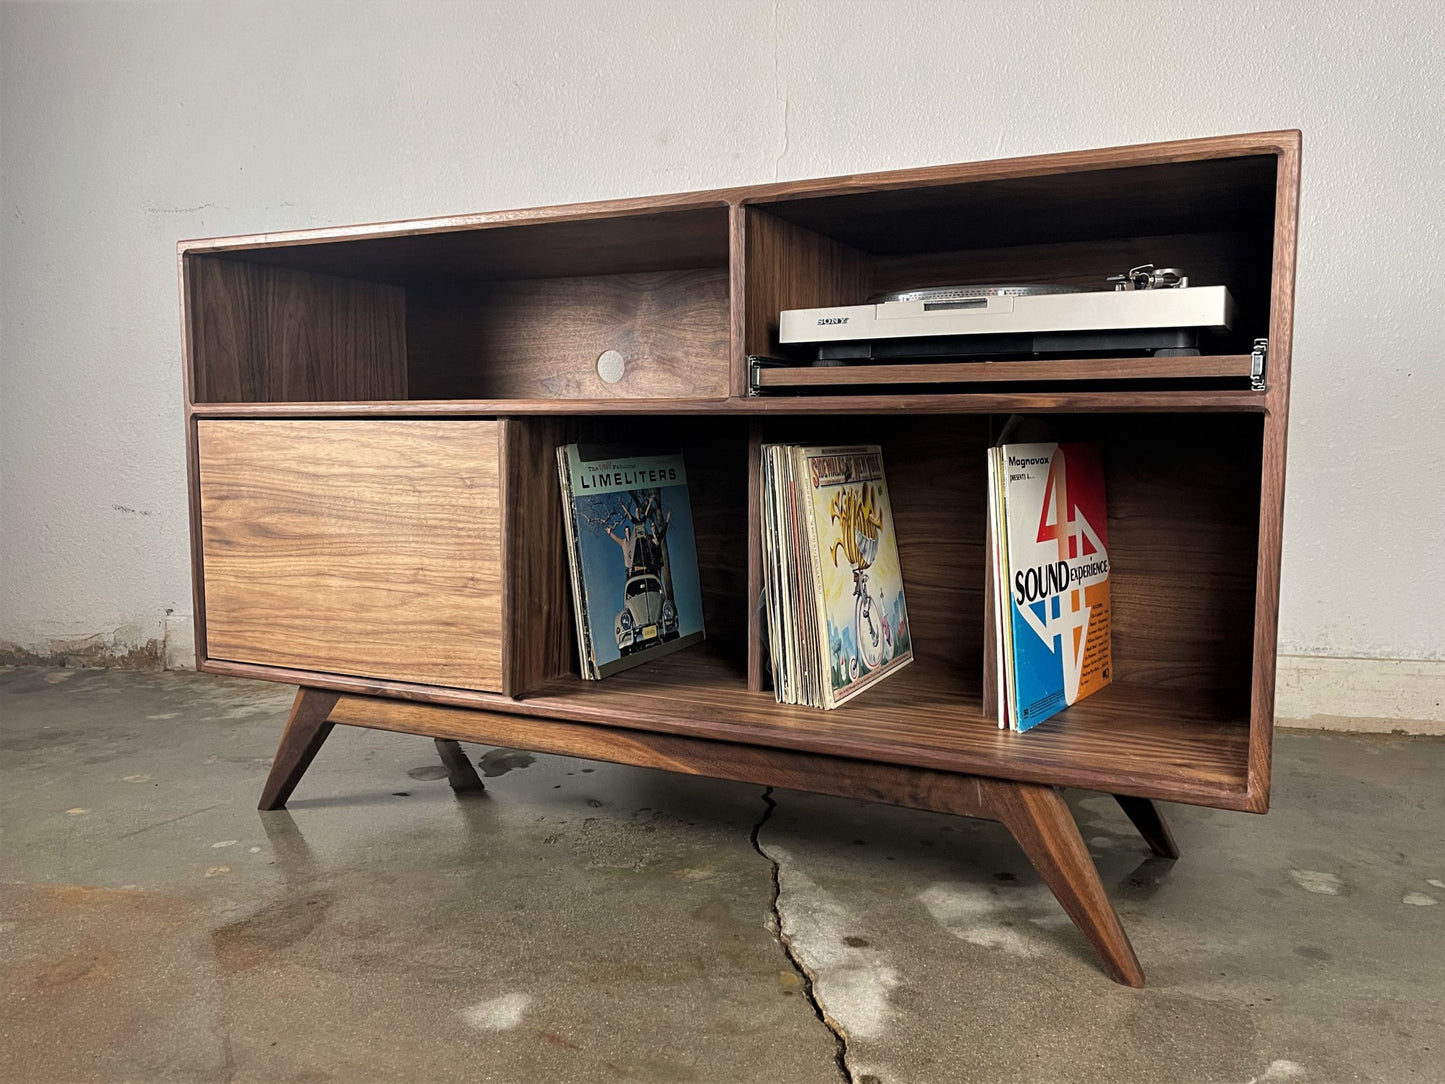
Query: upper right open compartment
point(1058, 221)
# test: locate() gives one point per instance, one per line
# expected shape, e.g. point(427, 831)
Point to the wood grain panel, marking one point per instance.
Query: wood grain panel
point(1171, 152)
point(267, 334)
point(716, 454)
point(540, 338)
point(992, 679)
point(737, 290)
point(369, 548)
point(193, 487)
point(938, 487)
point(793, 268)
point(541, 642)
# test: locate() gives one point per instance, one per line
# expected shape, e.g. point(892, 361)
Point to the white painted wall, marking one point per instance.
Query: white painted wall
point(128, 126)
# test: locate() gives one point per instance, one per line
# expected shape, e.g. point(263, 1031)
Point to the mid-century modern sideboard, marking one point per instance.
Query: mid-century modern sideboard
point(372, 413)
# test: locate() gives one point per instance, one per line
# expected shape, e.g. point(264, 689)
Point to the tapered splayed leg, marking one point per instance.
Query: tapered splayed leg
point(1151, 824)
point(1041, 822)
point(306, 730)
point(461, 776)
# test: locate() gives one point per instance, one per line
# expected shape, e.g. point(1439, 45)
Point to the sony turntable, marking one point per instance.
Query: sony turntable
point(1148, 311)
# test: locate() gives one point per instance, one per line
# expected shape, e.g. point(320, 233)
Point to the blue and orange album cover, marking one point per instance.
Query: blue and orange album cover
point(1052, 556)
point(632, 549)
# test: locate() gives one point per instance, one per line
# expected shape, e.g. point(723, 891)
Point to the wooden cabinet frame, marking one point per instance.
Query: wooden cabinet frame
point(496, 321)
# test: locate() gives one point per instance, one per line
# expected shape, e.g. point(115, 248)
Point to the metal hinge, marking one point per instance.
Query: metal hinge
point(1257, 358)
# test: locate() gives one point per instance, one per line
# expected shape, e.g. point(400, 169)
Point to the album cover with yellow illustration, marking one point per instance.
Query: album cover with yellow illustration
point(837, 615)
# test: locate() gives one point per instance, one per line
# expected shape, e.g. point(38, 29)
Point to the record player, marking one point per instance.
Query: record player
point(1147, 311)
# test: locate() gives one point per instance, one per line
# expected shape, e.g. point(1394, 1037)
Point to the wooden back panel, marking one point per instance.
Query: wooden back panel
point(354, 547)
point(1183, 495)
point(540, 338)
point(789, 267)
point(269, 334)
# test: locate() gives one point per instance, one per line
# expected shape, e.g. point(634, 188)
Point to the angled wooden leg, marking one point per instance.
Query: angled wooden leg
point(1151, 824)
point(1045, 829)
point(461, 776)
point(306, 730)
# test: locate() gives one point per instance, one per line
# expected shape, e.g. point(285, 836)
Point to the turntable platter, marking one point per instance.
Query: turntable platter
point(956, 293)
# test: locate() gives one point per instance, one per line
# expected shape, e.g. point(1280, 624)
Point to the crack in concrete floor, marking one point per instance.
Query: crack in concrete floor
point(805, 975)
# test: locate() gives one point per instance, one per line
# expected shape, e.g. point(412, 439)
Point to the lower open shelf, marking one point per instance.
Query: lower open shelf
point(1169, 743)
point(1174, 744)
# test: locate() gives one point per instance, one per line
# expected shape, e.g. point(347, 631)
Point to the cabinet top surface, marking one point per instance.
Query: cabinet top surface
point(718, 201)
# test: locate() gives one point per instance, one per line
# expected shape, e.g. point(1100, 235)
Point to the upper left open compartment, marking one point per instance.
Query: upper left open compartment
point(497, 308)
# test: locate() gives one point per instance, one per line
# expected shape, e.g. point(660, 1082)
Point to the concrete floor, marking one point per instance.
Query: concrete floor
point(587, 922)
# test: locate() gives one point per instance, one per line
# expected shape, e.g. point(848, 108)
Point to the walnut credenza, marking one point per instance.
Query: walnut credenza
point(371, 414)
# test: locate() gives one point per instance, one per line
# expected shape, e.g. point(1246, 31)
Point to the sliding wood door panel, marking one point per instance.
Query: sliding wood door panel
point(369, 547)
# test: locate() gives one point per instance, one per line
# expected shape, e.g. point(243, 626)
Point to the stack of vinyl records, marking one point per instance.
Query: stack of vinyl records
point(837, 622)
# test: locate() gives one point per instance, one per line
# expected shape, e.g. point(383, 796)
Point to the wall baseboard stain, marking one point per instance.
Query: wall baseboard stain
point(103, 649)
point(1378, 696)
